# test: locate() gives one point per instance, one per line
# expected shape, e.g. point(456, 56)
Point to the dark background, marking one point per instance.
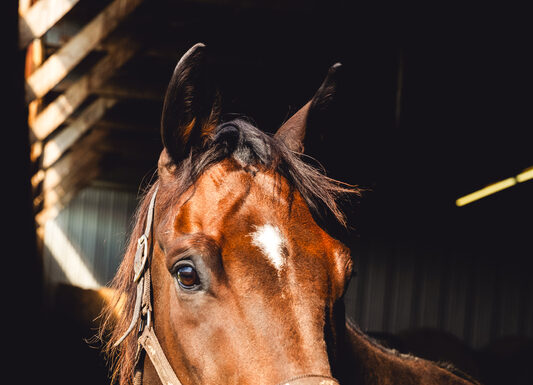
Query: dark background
point(460, 120)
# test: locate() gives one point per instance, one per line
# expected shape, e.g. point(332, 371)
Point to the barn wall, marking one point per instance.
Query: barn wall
point(85, 242)
point(405, 286)
point(398, 286)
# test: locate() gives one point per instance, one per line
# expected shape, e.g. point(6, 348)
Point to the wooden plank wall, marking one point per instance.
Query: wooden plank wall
point(61, 121)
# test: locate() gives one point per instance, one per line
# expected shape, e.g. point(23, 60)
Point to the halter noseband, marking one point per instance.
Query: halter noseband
point(147, 340)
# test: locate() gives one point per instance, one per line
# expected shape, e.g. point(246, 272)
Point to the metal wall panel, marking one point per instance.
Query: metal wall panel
point(408, 286)
point(84, 244)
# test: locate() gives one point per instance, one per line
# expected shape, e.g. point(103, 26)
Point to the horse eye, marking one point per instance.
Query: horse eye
point(187, 277)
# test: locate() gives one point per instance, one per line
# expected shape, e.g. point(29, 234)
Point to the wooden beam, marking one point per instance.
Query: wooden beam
point(79, 163)
point(65, 196)
point(64, 105)
point(78, 168)
point(145, 147)
point(83, 175)
point(119, 91)
point(40, 18)
point(36, 179)
point(57, 66)
point(34, 58)
point(46, 179)
point(24, 6)
point(103, 139)
point(125, 87)
point(57, 146)
point(85, 164)
point(71, 162)
point(115, 125)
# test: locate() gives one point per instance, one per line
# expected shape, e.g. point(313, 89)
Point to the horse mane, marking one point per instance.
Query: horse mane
point(406, 356)
point(237, 138)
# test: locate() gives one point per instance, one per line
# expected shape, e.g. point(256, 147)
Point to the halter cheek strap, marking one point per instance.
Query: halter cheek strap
point(147, 340)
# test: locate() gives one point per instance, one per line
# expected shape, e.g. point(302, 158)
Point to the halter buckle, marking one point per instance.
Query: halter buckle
point(146, 320)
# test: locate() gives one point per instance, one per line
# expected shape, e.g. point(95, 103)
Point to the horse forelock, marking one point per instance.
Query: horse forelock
point(254, 149)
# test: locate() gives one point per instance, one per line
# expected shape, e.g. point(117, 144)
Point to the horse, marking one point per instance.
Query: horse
point(228, 278)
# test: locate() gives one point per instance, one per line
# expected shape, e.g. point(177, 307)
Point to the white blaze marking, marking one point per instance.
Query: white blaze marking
point(269, 239)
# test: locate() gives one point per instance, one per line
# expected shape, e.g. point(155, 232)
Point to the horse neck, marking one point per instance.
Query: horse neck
point(365, 362)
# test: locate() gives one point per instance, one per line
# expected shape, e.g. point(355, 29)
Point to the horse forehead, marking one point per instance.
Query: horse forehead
point(226, 190)
point(230, 200)
point(253, 212)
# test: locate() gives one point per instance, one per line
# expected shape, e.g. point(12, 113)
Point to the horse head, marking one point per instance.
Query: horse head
point(246, 287)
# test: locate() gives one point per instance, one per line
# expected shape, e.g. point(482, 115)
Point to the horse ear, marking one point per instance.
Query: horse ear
point(191, 105)
point(311, 117)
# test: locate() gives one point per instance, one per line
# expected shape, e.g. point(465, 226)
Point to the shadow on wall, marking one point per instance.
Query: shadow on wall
point(72, 355)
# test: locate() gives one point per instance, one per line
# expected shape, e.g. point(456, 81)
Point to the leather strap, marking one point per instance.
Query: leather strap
point(139, 265)
point(142, 311)
point(148, 340)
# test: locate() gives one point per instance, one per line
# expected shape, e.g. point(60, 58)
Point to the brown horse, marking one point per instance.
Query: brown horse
point(228, 278)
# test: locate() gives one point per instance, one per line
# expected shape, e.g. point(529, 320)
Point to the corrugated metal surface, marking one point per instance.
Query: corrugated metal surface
point(397, 287)
point(404, 287)
point(85, 242)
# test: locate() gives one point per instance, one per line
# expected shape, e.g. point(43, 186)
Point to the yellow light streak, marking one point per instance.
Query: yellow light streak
point(486, 191)
point(525, 175)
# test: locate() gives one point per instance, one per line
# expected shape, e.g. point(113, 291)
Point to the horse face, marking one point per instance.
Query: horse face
point(244, 280)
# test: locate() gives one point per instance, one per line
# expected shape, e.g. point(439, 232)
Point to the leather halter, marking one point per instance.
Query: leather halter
point(147, 340)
